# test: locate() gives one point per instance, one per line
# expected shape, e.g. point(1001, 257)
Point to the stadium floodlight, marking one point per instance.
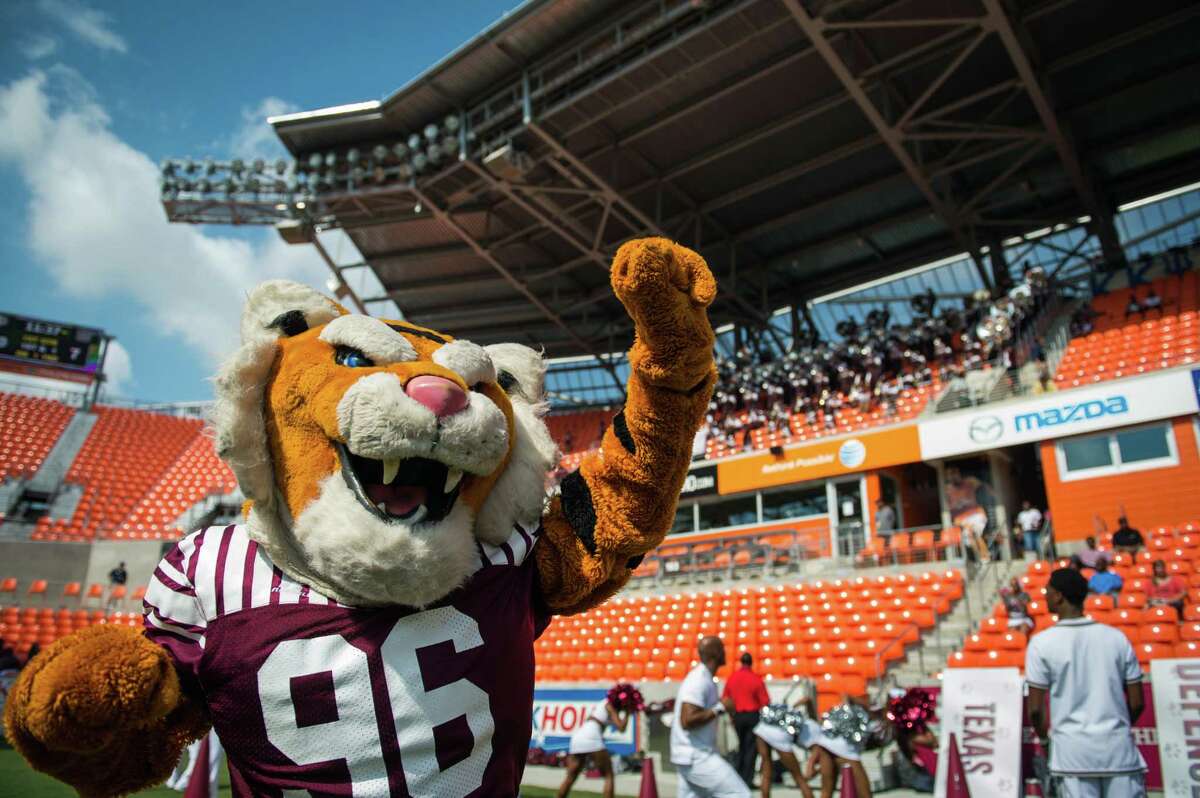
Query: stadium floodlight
point(451, 123)
point(331, 159)
point(281, 166)
point(380, 153)
point(314, 161)
point(404, 171)
point(301, 205)
point(353, 155)
point(357, 174)
point(434, 153)
point(431, 132)
point(420, 161)
point(400, 149)
point(450, 144)
point(331, 178)
point(414, 142)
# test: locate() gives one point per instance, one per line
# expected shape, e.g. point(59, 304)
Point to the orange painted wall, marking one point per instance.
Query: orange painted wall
point(1151, 498)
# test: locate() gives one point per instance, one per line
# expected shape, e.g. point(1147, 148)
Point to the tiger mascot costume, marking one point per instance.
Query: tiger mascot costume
point(369, 630)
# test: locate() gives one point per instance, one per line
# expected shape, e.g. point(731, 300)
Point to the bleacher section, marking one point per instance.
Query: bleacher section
point(1155, 632)
point(840, 633)
point(910, 404)
point(31, 426)
point(127, 454)
point(21, 627)
point(1121, 346)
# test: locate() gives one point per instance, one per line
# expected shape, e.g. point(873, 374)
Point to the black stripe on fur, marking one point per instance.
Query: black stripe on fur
point(621, 430)
point(579, 510)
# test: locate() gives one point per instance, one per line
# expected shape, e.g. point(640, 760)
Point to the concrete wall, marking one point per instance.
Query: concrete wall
point(59, 563)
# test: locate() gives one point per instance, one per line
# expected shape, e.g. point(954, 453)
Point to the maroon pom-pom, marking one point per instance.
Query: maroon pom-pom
point(913, 711)
point(626, 698)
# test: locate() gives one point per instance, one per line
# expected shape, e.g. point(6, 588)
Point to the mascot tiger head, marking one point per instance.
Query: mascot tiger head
point(373, 453)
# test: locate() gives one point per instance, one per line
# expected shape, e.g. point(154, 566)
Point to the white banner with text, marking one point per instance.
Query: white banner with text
point(1176, 687)
point(982, 707)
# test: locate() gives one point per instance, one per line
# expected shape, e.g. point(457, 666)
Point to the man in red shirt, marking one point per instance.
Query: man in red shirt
point(749, 695)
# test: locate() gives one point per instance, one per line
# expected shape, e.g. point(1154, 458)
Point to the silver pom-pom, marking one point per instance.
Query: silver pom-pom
point(785, 717)
point(848, 721)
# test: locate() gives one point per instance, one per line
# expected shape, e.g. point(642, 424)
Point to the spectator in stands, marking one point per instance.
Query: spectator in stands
point(1133, 306)
point(1037, 351)
point(1105, 582)
point(702, 770)
point(1090, 555)
point(748, 692)
point(1152, 302)
point(1166, 588)
point(117, 577)
point(588, 741)
point(1126, 538)
point(1095, 680)
point(1029, 521)
point(885, 518)
point(1016, 605)
point(8, 659)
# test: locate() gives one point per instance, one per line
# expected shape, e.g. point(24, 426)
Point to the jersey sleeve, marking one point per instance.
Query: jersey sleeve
point(692, 692)
point(173, 615)
point(1037, 669)
point(1130, 669)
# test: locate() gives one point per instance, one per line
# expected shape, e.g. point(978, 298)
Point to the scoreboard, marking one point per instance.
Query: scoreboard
point(48, 344)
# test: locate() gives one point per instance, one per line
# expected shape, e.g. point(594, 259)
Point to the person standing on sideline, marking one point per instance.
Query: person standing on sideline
point(749, 694)
point(1030, 522)
point(1094, 682)
point(703, 772)
point(588, 741)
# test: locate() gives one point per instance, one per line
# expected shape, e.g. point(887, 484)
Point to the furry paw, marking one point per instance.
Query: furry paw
point(92, 687)
point(665, 288)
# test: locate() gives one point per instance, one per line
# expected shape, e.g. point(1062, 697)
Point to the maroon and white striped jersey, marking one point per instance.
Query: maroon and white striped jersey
point(312, 697)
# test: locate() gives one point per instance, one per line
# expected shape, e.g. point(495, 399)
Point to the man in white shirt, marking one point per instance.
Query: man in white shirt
point(703, 772)
point(1029, 520)
point(1094, 681)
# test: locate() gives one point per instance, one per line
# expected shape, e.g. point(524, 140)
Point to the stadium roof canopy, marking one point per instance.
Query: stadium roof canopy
point(803, 146)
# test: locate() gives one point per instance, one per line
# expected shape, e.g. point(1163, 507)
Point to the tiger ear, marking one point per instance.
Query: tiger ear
point(275, 309)
point(282, 308)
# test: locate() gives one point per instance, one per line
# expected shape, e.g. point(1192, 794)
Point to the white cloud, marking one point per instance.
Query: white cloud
point(38, 46)
point(96, 224)
point(255, 138)
point(118, 370)
point(89, 24)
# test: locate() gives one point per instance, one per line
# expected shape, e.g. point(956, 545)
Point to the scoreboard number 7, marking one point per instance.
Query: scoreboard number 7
point(353, 735)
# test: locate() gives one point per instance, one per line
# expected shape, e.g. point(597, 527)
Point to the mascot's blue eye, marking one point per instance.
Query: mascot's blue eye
point(352, 358)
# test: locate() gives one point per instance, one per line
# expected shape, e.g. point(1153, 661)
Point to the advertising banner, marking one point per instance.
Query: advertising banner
point(982, 707)
point(863, 452)
point(1060, 414)
point(700, 481)
point(1176, 707)
point(557, 713)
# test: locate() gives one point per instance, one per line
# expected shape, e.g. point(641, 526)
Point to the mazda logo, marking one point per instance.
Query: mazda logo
point(986, 429)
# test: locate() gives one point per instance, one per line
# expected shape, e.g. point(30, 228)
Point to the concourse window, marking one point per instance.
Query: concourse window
point(731, 511)
point(795, 503)
point(685, 520)
point(1117, 452)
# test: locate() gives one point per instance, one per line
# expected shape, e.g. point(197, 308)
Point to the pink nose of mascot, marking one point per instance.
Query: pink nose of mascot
point(439, 394)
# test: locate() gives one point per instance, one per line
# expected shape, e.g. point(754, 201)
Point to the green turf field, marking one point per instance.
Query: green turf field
point(18, 781)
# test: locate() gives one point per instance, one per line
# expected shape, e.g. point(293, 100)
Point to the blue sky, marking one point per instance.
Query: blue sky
point(93, 96)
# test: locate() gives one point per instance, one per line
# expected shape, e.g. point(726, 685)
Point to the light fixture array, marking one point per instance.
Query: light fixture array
point(293, 181)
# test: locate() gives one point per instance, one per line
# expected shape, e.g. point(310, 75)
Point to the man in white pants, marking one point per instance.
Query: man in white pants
point(1095, 687)
point(703, 772)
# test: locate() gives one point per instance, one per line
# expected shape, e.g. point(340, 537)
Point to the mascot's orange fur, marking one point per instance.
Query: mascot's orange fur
point(321, 414)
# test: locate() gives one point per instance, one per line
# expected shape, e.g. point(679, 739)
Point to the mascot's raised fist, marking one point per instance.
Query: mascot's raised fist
point(369, 630)
point(665, 288)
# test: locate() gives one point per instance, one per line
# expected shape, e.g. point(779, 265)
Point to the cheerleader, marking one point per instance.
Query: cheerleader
point(588, 738)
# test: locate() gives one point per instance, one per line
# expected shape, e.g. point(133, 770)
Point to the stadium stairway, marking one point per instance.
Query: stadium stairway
point(54, 468)
point(926, 660)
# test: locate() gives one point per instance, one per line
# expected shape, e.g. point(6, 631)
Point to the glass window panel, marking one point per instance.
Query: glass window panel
point(1147, 443)
point(795, 503)
point(683, 519)
point(729, 512)
point(1084, 453)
